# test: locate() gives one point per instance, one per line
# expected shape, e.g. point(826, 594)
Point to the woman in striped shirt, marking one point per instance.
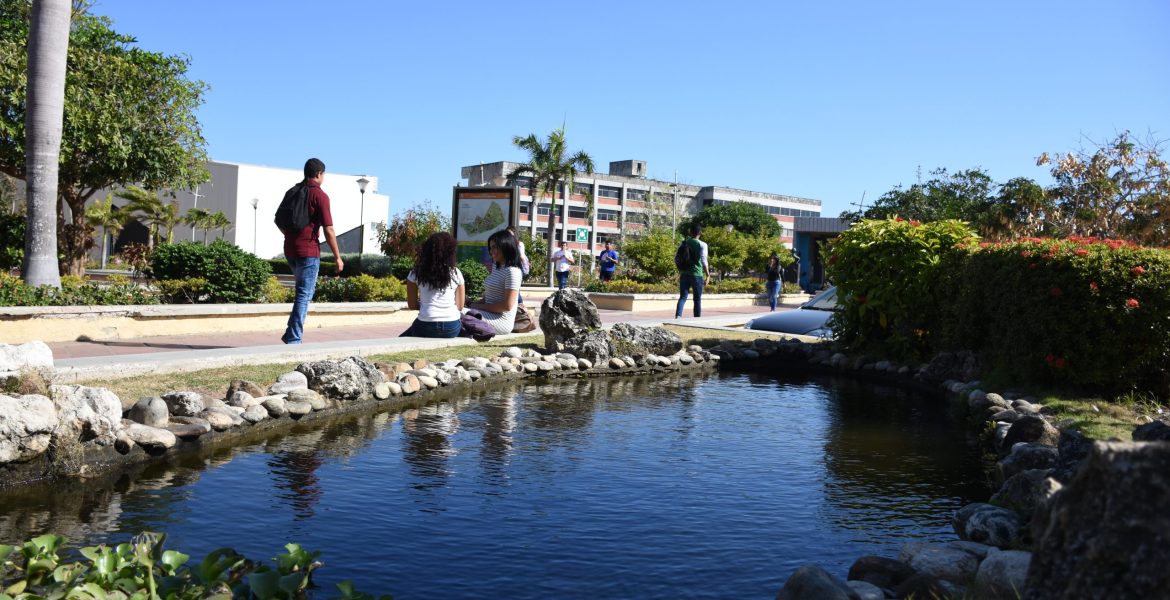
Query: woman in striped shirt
point(502, 287)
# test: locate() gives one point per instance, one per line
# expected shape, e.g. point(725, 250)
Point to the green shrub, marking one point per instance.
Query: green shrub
point(74, 291)
point(12, 246)
point(400, 266)
point(182, 291)
point(279, 266)
point(377, 265)
point(276, 293)
point(473, 275)
point(363, 288)
point(233, 276)
point(653, 254)
point(335, 289)
point(749, 285)
point(629, 286)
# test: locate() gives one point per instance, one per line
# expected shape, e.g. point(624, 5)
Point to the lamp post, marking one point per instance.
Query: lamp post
point(255, 217)
point(362, 183)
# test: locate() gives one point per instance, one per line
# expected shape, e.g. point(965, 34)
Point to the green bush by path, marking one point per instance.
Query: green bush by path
point(232, 275)
point(74, 291)
point(473, 275)
point(362, 288)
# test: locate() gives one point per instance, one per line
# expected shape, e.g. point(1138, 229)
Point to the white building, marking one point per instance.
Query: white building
point(250, 194)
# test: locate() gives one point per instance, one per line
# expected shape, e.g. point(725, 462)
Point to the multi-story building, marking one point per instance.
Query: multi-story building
point(624, 201)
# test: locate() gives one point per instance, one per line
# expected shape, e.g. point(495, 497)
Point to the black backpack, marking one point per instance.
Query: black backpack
point(684, 257)
point(293, 214)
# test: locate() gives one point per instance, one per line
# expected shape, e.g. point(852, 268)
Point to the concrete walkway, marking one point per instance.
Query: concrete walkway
point(100, 359)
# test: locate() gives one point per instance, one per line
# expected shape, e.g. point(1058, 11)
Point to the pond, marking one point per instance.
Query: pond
point(683, 486)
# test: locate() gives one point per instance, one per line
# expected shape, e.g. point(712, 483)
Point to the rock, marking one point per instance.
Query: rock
point(150, 411)
point(512, 352)
point(474, 362)
point(636, 340)
point(287, 382)
point(617, 363)
point(188, 427)
point(382, 390)
point(243, 385)
point(880, 571)
point(987, 524)
point(1106, 534)
point(977, 400)
point(87, 413)
point(567, 364)
point(429, 382)
point(244, 399)
point(995, 399)
point(476, 374)
point(963, 366)
point(348, 379)
point(409, 383)
point(420, 363)
point(545, 367)
point(584, 364)
point(395, 388)
point(1027, 456)
point(811, 582)
point(1008, 415)
point(942, 561)
point(275, 406)
point(27, 424)
point(152, 439)
point(317, 401)
point(299, 409)
point(221, 419)
point(686, 359)
point(594, 346)
point(1155, 431)
point(122, 442)
point(1031, 428)
point(530, 368)
point(259, 412)
point(1002, 574)
point(184, 404)
point(565, 314)
point(1023, 492)
point(1070, 452)
point(29, 356)
point(923, 585)
point(866, 590)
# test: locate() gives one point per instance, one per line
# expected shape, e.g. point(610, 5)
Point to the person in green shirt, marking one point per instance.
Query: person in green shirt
point(692, 277)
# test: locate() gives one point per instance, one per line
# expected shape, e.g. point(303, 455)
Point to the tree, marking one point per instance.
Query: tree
point(48, 47)
point(653, 253)
point(199, 218)
point(549, 167)
point(726, 250)
point(1121, 189)
point(1021, 209)
point(745, 217)
point(758, 249)
point(405, 233)
point(159, 216)
point(220, 221)
point(104, 214)
point(965, 195)
point(129, 117)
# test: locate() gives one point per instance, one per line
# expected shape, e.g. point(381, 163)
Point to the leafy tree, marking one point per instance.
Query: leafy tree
point(158, 215)
point(1121, 189)
point(759, 249)
point(104, 214)
point(726, 250)
point(198, 218)
point(653, 253)
point(129, 116)
point(549, 167)
point(745, 217)
point(12, 246)
point(219, 221)
point(1021, 209)
point(406, 232)
point(48, 46)
point(534, 246)
point(965, 195)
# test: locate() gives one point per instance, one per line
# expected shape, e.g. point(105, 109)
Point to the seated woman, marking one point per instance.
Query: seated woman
point(502, 287)
point(435, 289)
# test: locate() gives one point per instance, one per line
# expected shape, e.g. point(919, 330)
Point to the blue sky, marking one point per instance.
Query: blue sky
point(826, 100)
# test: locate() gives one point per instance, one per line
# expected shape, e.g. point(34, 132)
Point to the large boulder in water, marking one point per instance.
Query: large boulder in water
point(348, 379)
point(1106, 534)
point(637, 341)
point(565, 314)
point(593, 346)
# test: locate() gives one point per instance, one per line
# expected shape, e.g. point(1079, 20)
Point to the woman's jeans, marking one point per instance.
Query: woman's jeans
point(687, 282)
point(433, 329)
point(773, 288)
point(305, 269)
point(562, 279)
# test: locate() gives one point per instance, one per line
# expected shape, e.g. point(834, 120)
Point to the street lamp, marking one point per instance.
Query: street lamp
point(255, 217)
point(362, 183)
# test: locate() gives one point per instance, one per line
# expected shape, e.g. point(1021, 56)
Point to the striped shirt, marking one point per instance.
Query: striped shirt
point(495, 287)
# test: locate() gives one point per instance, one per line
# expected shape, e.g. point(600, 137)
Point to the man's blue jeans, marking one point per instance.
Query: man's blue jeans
point(305, 269)
point(687, 282)
point(562, 279)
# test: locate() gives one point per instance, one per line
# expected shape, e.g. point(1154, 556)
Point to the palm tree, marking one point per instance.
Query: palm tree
point(199, 218)
point(110, 218)
point(48, 49)
point(157, 215)
point(221, 222)
point(549, 167)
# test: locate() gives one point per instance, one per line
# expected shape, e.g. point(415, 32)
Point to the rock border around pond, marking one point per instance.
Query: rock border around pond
point(82, 431)
point(1070, 518)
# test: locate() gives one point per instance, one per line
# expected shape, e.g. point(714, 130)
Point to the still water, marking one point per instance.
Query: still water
point(681, 486)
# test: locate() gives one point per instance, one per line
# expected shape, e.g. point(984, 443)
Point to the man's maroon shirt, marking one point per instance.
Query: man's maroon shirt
point(306, 244)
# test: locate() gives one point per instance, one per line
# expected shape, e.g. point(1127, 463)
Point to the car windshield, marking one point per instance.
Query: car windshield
point(826, 300)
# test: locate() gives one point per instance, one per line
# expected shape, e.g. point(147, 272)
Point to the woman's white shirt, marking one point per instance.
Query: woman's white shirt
point(438, 306)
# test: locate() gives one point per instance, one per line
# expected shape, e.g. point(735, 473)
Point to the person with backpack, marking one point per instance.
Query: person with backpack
point(302, 214)
point(691, 260)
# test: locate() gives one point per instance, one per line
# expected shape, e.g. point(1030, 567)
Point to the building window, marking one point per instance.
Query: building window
point(609, 192)
point(577, 212)
point(610, 216)
point(636, 217)
point(523, 208)
point(543, 209)
point(632, 194)
point(602, 238)
point(582, 189)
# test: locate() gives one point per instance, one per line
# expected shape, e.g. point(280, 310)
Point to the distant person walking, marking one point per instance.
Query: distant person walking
point(773, 286)
point(693, 271)
point(608, 259)
point(563, 259)
point(501, 289)
point(435, 288)
point(302, 249)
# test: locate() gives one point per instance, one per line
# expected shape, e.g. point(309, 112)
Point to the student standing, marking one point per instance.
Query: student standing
point(563, 259)
point(608, 259)
point(303, 250)
point(692, 275)
point(773, 286)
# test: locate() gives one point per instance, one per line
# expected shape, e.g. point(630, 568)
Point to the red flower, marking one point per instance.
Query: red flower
point(899, 219)
point(1138, 270)
point(1093, 285)
point(1025, 253)
point(1081, 252)
point(1132, 303)
point(914, 223)
point(1056, 292)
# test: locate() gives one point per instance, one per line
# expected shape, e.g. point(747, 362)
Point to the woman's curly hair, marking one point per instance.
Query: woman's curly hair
point(436, 261)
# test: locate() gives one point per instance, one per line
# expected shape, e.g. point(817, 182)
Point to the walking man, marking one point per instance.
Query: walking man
point(303, 250)
point(608, 259)
point(563, 259)
point(693, 273)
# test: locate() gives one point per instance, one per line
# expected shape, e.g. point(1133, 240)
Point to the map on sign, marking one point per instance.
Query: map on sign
point(480, 219)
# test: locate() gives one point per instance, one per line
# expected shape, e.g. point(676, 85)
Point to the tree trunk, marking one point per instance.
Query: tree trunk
point(552, 233)
point(48, 49)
